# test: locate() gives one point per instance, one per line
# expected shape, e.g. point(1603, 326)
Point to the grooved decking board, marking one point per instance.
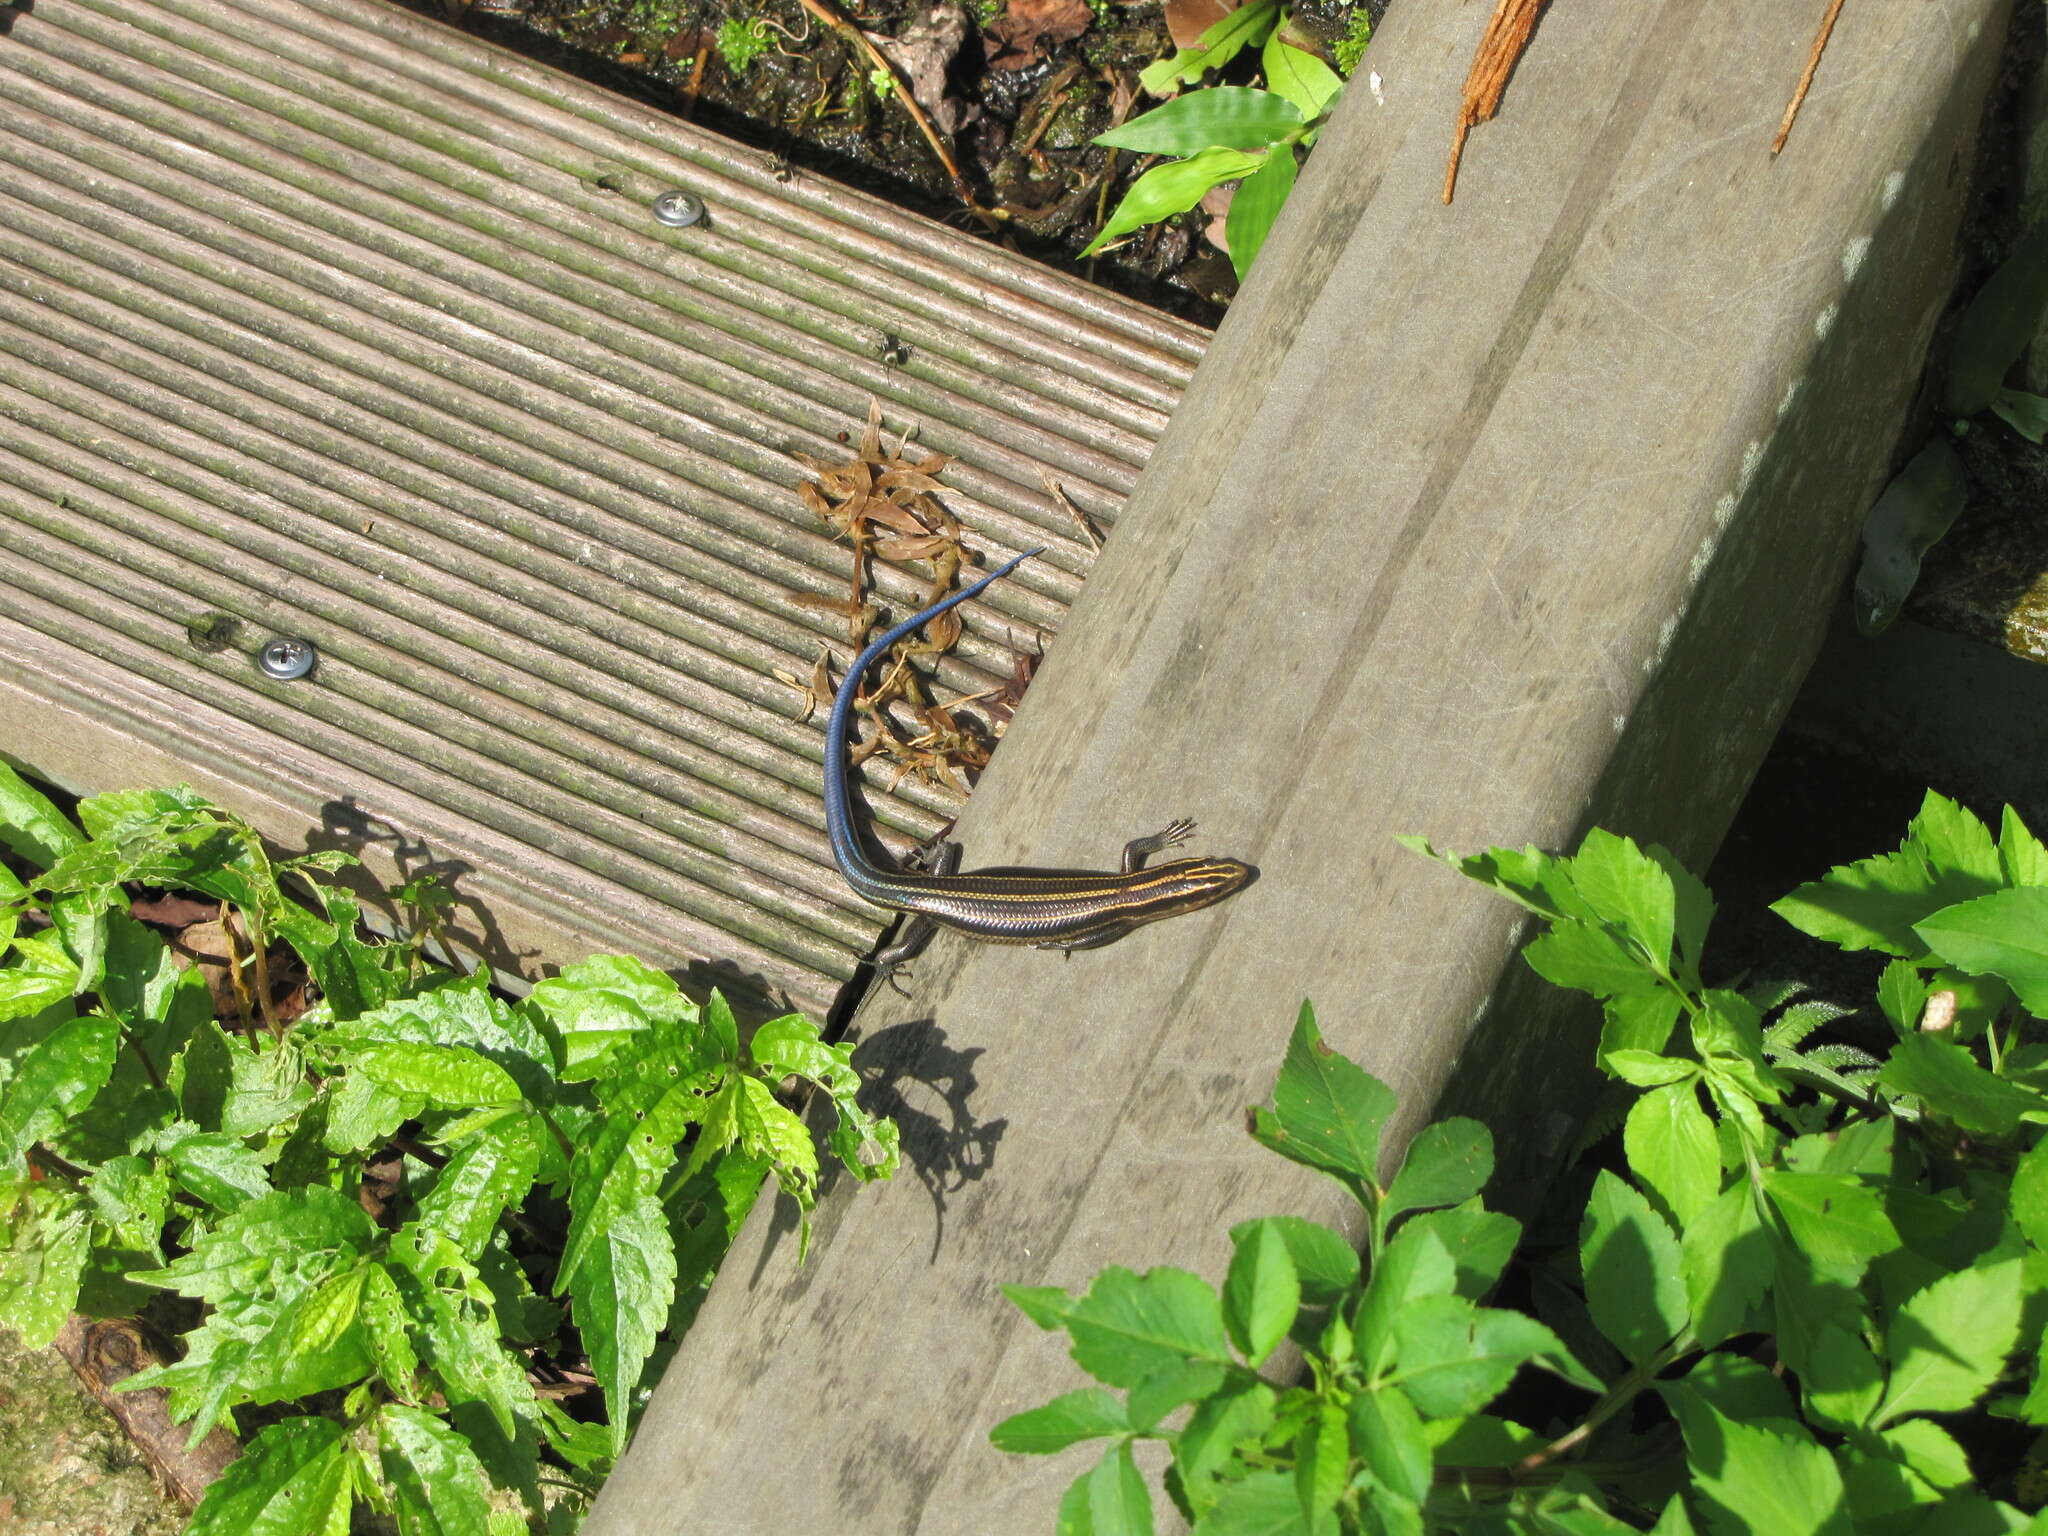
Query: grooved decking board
point(1484, 523)
point(324, 317)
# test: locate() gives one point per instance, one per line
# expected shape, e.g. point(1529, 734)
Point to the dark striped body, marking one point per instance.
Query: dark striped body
point(1050, 908)
point(1065, 909)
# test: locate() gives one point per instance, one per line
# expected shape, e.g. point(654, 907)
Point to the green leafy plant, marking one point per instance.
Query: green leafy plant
point(1922, 502)
point(1350, 48)
point(1225, 132)
point(1806, 1290)
point(742, 42)
point(374, 1203)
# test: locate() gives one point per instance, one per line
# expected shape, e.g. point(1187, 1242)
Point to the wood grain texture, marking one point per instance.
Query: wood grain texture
point(1483, 523)
point(329, 320)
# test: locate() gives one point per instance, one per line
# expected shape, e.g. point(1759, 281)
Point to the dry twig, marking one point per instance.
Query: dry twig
point(1820, 43)
point(831, 15)
point(1507, 34)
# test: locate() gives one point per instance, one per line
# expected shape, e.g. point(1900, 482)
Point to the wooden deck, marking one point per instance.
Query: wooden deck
point(1484, 522)
point(318, 318)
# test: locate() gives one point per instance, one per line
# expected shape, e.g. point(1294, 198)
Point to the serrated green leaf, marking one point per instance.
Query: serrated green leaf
point(620, 1296)
point(1262, 1293)
point(1171, 1387)
point(1255, 206)
point(1480, 1440)
point(1301, 77)
point(1759, 1477)
point(384, 1325)
point(1883, 1493)
point(462, 1014)
point(1322, 1460)
point(791, 1044)
point(1628, 889)
point(2004, 316)
point(444, 1076)
point(587, 1447)
point(1838, 1220)
point(596, 1004)
point(1045, 1305)
point(1726, 1262)
point(1588, 958)
point(1237, 1415)
point(1874, 903)
point(1413, 1267)
point(1119, 1504)
point(1324, 1260)
point(293, 1479)
point(42, 975)
point(314, 1343)
point(1173, 188)
point(1327, 1111)
point(289, 1237)
point(1647, 1069)
point(489, 1397)
point(30, 826)
point(1902, 994)
point(1929, 1450)
point(1638, 1022)
point(80, 923)
point(56, 1079)
point(1518, 874)
point(1480, 1243)
point(264, 1090)
point(2030, 1194)
point(1453, 1358)
point(2004, 933)
point(219, 1170)
point(1839, 1377)
point(437, 1484)
point(1671, 1146)
point(1954, 839)
point(2022, 858)
point(1947, 1343)
point(1449, 1161)
point(487, 1175)
point(653, 1089)
point(1262, 1504)
point(1392, 1443)
point(1741, 1388)
point(129, 1198)
point(1128, 1325)
point(49, 1238)
point(1632, 1265)
point(770, 1129)
point(1728, 1033)
point(1947, 1079)
point(278, 1328)
point(1230, 116)
point(1067, 1420)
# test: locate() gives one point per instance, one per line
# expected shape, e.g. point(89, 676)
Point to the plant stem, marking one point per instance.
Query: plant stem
point(1625, 1391)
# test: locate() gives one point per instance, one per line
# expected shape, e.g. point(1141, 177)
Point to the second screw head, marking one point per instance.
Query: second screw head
point(678, 208)
point(287, 658)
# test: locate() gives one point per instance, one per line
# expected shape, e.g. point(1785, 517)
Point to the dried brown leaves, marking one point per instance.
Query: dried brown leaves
point(885, 502)
point(1030, 29)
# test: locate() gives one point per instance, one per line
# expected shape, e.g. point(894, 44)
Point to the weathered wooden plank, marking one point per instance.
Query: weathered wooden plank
point(331, 321)
point(1480, 522)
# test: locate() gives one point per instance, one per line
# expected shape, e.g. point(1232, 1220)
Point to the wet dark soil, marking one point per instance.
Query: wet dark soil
point(1019, 88)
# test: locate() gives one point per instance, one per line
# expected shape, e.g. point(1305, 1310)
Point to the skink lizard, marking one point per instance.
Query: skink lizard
point(1046, 908)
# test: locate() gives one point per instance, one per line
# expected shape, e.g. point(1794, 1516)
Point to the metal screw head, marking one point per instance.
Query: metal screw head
point(287, 658)
point(678, 207)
